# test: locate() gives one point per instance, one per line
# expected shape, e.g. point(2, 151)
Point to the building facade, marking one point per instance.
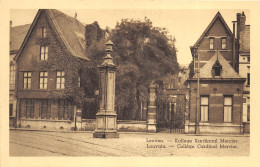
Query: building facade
point(52, 66)
point(243, 44)
point(216, 88)
point(17, 35)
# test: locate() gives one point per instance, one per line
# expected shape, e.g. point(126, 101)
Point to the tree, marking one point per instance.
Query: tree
point(143, 54)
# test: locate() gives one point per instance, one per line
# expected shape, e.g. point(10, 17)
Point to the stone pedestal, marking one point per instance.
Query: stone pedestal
point(151, 119)
point(106, 117)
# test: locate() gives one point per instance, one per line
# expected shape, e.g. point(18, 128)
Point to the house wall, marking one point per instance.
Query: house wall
point(243, 32)
point(216, 100)
point(216, 122)
point(29, 60)
point(217, 31)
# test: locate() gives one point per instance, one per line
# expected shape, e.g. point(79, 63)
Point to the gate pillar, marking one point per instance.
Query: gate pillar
point(151, 118)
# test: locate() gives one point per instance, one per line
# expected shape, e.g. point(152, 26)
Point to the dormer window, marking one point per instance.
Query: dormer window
point(211, 43)
point(216, 69)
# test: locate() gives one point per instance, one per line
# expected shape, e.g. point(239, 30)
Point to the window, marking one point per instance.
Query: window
point(29, 108)
point(10, 109)
point(79, 81)
point(43, 80)
point(45, 111)
point(223, 43)
point(12, 74)
point(211, 43)
point(248, 79)
point(204, 108)
point(44, 53)
point(27, 79)
point(248, 58)
point(216, 69)
point(43, 31)
point(60, 80)
point(227, 109)
point(63, 109)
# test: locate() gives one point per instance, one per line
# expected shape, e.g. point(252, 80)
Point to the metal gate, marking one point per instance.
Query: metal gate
point(170, 114)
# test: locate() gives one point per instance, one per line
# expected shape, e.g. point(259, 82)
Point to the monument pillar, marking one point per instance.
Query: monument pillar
point(151, 116)
point(106, 118)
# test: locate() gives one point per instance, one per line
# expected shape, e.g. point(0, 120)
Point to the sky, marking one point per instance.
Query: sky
point(185, 25)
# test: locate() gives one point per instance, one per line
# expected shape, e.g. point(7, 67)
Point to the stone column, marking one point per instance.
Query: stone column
point(151, 116)
point(106, 117)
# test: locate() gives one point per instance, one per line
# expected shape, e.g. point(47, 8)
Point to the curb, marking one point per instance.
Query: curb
point(139, 133)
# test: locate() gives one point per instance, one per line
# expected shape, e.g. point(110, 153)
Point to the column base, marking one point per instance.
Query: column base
point(151, 128)
point(105, 135)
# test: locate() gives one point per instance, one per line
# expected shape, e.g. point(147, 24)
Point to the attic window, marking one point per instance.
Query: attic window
point(223, 43)
point(211, 43)
point(43, 31)
point(44, 53)
point(216, 69)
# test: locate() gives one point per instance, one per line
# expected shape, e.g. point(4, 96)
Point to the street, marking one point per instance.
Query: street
point(39, 143)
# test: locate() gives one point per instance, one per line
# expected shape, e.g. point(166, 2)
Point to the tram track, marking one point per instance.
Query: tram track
point(95, 149)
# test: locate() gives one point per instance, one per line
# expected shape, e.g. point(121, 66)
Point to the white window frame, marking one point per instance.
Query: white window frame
point(43, 80)
point(204, 109)
point(224, 44)
point(211, 43)
point(228, 108)
point(44, 52)
point(27, 80)
point(60, 79)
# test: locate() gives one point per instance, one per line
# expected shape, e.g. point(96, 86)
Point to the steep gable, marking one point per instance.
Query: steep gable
point(218, 18)
point(69, 31)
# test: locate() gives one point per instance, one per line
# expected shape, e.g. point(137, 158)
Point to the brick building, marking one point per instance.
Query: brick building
point(216, 103)
point(52, 69)
point(243, 43)
point(17, 35)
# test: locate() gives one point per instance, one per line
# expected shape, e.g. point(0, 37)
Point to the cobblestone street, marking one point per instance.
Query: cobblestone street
point(39, 143)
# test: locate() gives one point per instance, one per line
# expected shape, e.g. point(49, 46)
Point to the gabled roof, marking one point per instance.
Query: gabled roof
point(217, 16)
point(17, 35)
point(70, 32)
point(227, 70)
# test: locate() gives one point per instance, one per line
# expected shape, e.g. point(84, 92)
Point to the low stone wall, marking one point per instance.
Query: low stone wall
point(131, 126)
point(84, 125)
point(88, 125)
point(46, 124)
point(209, 128)
point(122, 125)
point(246, 127)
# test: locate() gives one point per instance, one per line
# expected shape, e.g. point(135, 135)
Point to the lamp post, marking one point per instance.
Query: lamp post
point(198, 90)
point(106, 118)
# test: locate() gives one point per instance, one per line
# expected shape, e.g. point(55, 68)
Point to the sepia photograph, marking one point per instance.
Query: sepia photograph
point(73, 84)
point(128, 83)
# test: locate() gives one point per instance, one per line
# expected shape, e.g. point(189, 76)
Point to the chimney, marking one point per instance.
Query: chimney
point(238, 25)
point(243, 21)
point(11, 22)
